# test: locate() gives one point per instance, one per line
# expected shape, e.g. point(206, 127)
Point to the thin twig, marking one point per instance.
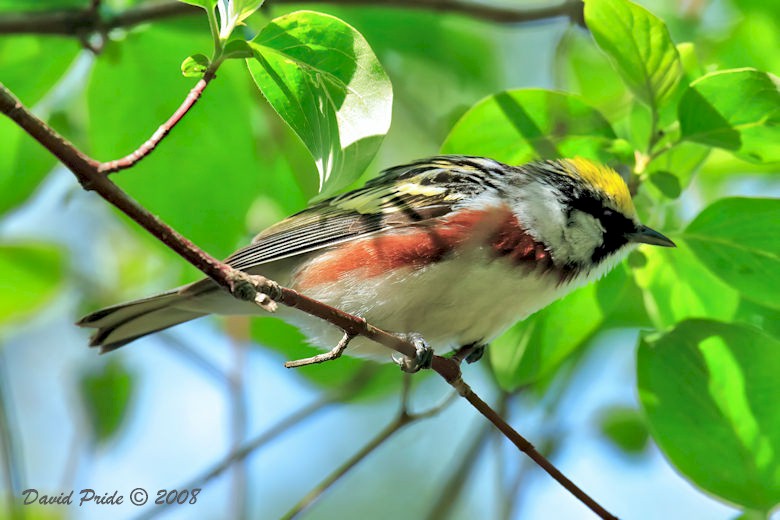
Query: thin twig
point(404, 418)
point(76, 22)
point(332, 354)
point(150, 145)
point(257, 288)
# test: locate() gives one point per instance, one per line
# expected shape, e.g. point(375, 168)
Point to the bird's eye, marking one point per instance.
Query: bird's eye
point(608, 213)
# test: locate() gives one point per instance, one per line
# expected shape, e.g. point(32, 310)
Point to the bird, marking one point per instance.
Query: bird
point(453, 249)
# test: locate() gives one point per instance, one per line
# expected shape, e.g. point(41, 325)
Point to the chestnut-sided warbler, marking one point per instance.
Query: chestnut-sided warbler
point(453, 248)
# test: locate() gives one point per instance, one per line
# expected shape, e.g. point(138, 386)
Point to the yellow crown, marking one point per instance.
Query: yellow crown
point(602, 178)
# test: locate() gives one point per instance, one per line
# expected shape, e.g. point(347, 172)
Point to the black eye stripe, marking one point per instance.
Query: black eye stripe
point(587, 203)
point(591, 205)
point(616, 225)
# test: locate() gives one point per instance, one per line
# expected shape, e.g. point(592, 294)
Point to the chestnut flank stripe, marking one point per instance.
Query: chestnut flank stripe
point(417, 246)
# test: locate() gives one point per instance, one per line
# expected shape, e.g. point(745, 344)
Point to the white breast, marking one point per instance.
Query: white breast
point(472, 296)
point(451, 303)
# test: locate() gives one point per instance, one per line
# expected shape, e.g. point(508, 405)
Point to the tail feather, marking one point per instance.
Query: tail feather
point(120, 324)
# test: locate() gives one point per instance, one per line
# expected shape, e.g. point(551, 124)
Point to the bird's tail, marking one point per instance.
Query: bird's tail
point(120, 324)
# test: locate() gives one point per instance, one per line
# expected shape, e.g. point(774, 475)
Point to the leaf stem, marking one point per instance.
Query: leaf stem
point(662, 150)
point(214, 28)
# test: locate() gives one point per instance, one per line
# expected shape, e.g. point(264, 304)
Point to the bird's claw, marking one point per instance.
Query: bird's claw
point(475, 354)
point(470, 353)
point(423, 356)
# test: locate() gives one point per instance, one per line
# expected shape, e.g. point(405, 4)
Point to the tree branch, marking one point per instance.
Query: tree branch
point(571, 9)
point(257, 288)
point(80, 22)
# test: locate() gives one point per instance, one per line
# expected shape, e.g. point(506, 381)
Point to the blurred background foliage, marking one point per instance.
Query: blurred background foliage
point(579, 378)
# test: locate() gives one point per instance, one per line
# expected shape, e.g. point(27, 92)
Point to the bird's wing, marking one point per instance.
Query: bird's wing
point(402, 196)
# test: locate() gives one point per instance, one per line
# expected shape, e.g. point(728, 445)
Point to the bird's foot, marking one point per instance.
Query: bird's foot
point(470, 353)
point(476, 354)
point(423, 357)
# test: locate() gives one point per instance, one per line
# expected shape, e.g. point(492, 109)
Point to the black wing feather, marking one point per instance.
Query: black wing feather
point(402, 196)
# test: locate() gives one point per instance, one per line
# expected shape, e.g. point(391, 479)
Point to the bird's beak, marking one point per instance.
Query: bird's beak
point(645, 235)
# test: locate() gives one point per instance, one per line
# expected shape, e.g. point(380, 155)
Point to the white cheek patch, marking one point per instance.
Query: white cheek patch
point(541, 214)
point(570, 237)
point(582, 235)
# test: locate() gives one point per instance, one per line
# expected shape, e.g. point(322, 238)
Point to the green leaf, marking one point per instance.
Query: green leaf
point(682, 161)
point(32, 275)
point(244, 8)
point(106, 392)
point(620, 298)
point(639, 45)
point(759, 316)
point(589, 72)
point(738, 110)
point(23, 165)
point(536, 346)
point(709, 390)
point(194, 66)
point(39, 5)
point(205, 4)
point(667, 183)
point(517, 126)
point(738, 239)
point(689, 61)
point(625, 428)
point(750, 37)
point(453, 56)
point(23, 162)
point(752, 515)
point(237, 49)
point(676, 286)
point(322, 78)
